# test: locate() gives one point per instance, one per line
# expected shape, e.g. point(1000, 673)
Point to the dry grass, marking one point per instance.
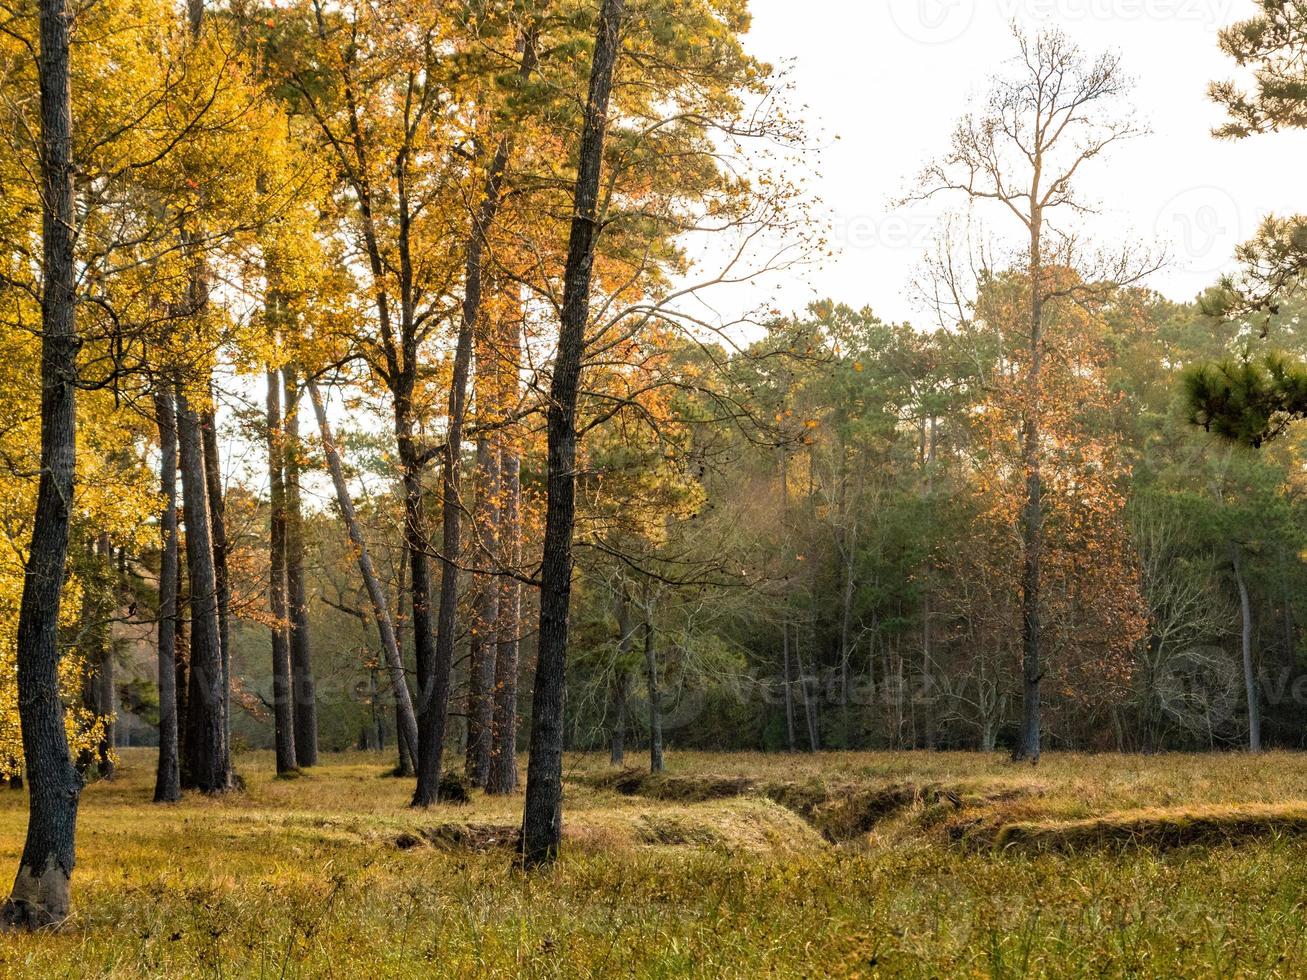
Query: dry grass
point(308, 878)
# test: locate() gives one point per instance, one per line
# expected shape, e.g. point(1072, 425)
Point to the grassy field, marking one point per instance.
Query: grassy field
point(731, 865)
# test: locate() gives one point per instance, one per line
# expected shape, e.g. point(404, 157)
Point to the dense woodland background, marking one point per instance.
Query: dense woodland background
point(868, 553)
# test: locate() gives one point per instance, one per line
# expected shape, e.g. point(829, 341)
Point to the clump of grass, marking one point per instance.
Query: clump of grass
point(480, 837)
point(453, 787)
point(671, 830)
point(681, 789)
point(1154, 829)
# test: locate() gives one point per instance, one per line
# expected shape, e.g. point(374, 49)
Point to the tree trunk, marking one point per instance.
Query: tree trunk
point(621, 679)
point(542, 825)
point(787, 684)
point(809, 712)
point(41, 889)
point(1249, 673)
point(503, 753)
point(431, 693)
point(182, 661)
point(927, 636)
point(1032, 524)
point(301, 663)
point(167, 785)
point(406, 764)
point(207, 760)
point(485, 625)
point(104, 695)
point(655, 701)
point(406, 720)
point(432, 741)
point(621, 698)
point(283, 690)
point(213, 482)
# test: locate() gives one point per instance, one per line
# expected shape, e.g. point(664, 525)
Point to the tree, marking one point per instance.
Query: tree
point(1271, 44)
point(1038, 128)
point(305, 699)
point(207, 760)
point(41, 889)
point(542, 815)
point(502, 777)
point(167, 785)
point(283, 690)
point(380, 606)
point(369, 83)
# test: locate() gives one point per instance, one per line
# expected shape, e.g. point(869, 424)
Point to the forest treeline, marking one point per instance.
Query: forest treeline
point(851, 582)
point(365, 366)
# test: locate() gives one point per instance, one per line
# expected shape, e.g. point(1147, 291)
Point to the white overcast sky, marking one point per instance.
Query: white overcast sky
point(890, 77)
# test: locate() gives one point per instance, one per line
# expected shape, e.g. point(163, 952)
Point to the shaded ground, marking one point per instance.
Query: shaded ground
point(731, 865)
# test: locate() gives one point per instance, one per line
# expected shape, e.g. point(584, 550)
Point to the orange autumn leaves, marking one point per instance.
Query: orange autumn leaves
point(1093, 611)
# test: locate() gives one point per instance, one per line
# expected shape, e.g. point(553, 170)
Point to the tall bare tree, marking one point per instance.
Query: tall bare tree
point(1022, 150)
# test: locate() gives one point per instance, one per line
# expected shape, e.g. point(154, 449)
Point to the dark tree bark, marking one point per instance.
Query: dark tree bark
point(655, 700)
point(407, 722)
point(40, 894)
point(542, 818)
point(306, 698)
point(167, 785)
point(502, 777)
point(485, 623)
point(283, 709)
point(217, 520)
point(431, 695)
point(207, 760)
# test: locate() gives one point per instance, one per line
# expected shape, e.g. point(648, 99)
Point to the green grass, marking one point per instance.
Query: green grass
point(306, 877)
